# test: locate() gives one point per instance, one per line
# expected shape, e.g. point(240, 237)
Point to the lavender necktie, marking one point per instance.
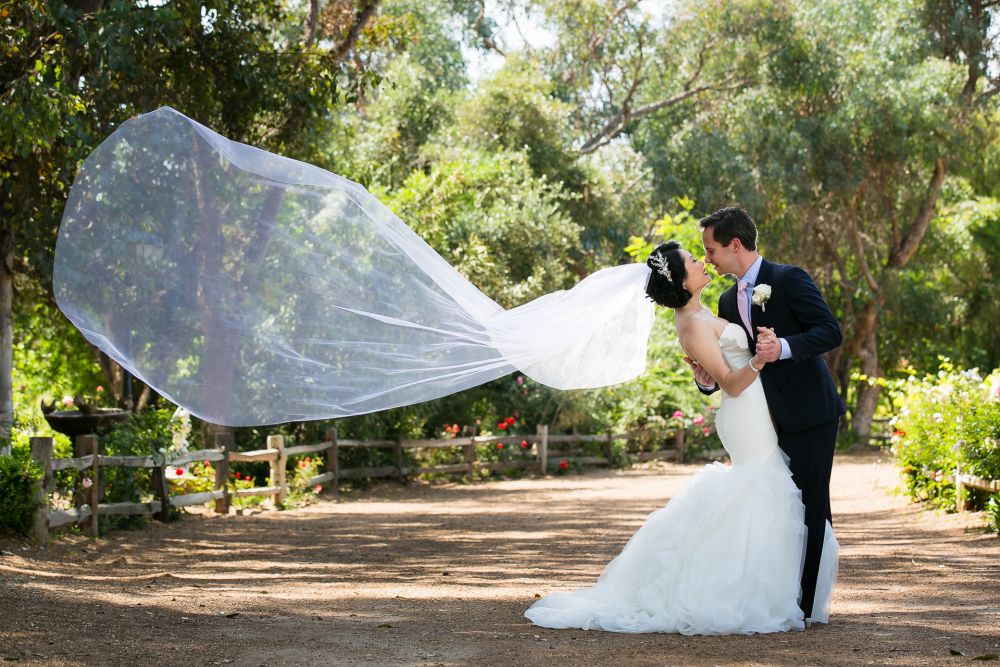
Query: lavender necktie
point(741, 303)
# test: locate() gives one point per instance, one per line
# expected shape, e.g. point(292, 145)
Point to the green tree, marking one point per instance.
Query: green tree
point(73, 70)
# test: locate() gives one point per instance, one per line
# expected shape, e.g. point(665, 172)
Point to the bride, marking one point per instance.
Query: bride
point(725, 555)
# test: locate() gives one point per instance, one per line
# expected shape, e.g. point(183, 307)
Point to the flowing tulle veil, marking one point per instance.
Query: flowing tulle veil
point(254, 289)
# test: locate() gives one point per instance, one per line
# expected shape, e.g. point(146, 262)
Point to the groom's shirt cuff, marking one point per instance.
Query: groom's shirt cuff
point(708, 388)
point(786, 352)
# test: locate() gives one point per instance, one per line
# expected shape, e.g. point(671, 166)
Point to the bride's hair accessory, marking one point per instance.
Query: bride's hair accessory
point(660, 263)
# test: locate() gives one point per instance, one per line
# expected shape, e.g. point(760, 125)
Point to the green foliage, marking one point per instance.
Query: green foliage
point(494, 221)
point(993, 512)
point(943, 422)
point(18, 478)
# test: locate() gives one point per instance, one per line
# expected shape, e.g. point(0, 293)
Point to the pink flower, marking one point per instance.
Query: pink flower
point(524, 444)
point(99, 389)
point(67, 400)
point(706, 430)
point(520, 379)
point(677, 414)
point(698, 419)
point(86, 483)
point(318, 488)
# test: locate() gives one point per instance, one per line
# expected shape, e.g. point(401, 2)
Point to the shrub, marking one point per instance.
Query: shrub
point(18, 477)
point(943, 422)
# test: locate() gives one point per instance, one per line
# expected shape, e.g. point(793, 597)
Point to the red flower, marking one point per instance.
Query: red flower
point(524, 444)
point(509, 420)
point(239, 476)
point(502, 426)
point(206, 462)
point(179, 471)
point(499, 445)
point(706, 430)
point(899, 434)
point(564, 464)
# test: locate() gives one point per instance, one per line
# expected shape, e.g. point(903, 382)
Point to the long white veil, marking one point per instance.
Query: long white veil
point(253, 289)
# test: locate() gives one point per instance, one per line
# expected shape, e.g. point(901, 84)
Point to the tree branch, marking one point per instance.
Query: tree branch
point(312, 29)
point(859, 250)
point(902, 253)
point(361, 19)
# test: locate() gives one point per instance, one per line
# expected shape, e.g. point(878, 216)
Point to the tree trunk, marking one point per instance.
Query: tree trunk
point(210, 430)
point(6, 341)
point(864, 410)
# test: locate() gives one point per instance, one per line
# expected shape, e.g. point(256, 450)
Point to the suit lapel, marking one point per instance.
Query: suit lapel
point(758, 315)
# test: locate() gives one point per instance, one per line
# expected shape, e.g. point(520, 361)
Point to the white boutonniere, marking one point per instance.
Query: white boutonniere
point(760, 296)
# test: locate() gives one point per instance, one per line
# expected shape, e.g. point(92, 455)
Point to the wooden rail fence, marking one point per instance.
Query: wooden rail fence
point(546, 451)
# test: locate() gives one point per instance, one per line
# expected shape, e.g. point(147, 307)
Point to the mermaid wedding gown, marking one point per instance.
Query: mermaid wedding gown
point(724, 556)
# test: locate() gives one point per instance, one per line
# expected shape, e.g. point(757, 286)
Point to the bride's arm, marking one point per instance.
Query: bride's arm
point(702, 345)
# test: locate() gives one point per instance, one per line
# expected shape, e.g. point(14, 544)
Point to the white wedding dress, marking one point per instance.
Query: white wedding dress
point(724, 556)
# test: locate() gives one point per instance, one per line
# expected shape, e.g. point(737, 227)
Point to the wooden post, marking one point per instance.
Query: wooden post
point(397, 452)
point(222, 473)
point(278, 468)
point(608, 449)
point(81, 447)
point(41, 452)
point(679, 444)
point(959, 490)
point(543, 449)
point(333, 459)
point(89, 444)
point(160, 489)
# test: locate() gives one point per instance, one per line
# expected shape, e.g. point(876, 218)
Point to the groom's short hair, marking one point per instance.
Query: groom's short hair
point(731, 223)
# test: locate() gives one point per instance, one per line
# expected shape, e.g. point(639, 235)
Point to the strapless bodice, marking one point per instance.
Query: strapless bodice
point(735, 346)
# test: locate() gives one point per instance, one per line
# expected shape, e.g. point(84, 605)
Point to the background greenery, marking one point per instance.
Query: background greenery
point(861, 135)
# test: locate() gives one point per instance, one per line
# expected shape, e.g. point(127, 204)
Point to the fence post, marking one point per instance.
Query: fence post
point(160, 489)
point(278, 468)
point(959, 490)
point(397, 452)
point(608, 449)
point(332, 459)
point(89, 444)
point(543, 449)
point(41, 452)
point(679, 444)
point(222, 473)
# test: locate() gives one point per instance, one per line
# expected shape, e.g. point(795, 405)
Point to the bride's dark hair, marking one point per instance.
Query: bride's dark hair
point(666, 281)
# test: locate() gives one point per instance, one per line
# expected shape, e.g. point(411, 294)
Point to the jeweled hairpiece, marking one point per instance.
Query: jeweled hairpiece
point(660, 262)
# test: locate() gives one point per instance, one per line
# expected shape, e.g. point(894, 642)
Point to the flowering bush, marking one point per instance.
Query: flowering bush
point(299, 488)
point(943, 422)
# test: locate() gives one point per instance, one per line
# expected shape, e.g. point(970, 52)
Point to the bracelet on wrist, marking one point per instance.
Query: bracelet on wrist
point(752, 367)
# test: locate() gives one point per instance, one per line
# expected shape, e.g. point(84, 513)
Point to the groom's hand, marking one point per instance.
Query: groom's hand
point(768, 346)
point(701, 376)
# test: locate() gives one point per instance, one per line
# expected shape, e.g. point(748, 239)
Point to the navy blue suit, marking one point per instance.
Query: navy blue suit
point(801, 394)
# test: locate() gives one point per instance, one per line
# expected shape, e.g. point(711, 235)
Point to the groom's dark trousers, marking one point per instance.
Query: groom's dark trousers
point(801, 395)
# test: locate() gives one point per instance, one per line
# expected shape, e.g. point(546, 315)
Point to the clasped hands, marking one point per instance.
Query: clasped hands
point(768, 350)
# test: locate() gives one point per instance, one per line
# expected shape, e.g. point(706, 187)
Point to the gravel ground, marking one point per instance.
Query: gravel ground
point(441, 575)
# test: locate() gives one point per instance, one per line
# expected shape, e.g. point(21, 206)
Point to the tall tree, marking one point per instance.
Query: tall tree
point(74, 70)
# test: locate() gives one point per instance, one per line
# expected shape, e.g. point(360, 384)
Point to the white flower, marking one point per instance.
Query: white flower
point(761, 293)
point(86, 483)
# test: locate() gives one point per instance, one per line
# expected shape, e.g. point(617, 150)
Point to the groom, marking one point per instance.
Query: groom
point(794, 326)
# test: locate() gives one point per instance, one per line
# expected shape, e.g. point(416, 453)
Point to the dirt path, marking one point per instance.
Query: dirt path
point(441, 575)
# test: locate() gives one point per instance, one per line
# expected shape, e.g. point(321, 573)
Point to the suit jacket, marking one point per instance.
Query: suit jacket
point(800, 391)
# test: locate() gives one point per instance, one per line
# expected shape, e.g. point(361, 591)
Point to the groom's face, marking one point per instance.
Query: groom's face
point(723, 258)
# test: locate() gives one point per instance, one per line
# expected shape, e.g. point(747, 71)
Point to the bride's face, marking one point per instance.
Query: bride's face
point(697, 276)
